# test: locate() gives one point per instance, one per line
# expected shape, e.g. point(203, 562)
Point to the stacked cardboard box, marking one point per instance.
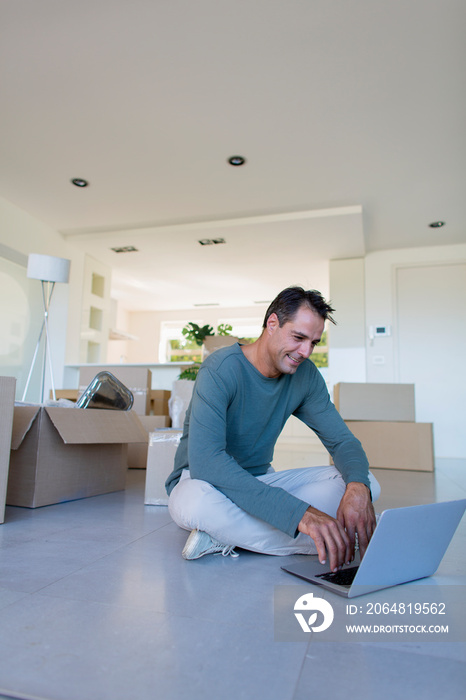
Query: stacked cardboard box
point(137, 451)
point(159, 402)
point(137, 379)
point(382, 417)
point(61, 454)
point(68, 394)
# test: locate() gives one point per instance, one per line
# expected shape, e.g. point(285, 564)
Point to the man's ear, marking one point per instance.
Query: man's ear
point(272, 323)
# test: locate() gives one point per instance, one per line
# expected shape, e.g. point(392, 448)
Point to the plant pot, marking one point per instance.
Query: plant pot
point(215, 342)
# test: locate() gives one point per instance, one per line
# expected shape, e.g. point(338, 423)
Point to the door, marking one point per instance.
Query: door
point(431, 331)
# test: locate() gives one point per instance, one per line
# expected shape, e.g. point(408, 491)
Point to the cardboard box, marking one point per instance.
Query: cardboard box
point(68, 394)
point(137, 451)
point(378, 402)
point(61, 454)
point(160, 460)
point(137, 379)
point(159, 402)
point(216, 342)
point(396, 445)
point(7, 402)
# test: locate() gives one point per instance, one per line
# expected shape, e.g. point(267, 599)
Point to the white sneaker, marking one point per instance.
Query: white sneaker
point(200, 543)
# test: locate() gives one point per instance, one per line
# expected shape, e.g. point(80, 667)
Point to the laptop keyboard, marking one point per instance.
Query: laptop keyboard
point(344, 577)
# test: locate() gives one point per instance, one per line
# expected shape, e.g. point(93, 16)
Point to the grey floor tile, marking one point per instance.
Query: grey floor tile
point(8, 596)
point(64, 649)
point(151, 574)
point(32, 564)
point(373, 671)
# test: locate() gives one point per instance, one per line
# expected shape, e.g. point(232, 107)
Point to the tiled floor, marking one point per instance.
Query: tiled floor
point(97, 603)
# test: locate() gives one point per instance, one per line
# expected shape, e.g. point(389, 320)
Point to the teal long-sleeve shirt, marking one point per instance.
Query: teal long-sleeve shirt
point(233, 422)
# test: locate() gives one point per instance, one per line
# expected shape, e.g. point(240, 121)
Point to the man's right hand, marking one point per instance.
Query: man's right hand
point(328, 535)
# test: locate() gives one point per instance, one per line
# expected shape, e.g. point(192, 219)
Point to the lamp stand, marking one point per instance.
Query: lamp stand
point(47, 291)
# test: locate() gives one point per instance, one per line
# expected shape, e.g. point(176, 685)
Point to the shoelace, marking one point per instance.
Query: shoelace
point(228, 550)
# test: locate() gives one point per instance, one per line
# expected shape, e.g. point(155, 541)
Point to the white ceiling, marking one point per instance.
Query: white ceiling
point(351, 116)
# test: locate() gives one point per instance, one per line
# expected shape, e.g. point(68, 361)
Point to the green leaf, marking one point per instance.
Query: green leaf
point(224, 329)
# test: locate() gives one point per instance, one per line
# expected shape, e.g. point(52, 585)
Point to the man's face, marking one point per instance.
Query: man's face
point(294, 342)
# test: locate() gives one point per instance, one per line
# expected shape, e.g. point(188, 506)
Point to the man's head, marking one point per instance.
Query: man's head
point(293, 326)
point(289, 301)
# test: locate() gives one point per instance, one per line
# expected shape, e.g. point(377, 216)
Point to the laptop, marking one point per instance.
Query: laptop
point(407, 544)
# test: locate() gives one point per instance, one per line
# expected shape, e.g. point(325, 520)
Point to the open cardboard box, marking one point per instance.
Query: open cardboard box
point(61, 454)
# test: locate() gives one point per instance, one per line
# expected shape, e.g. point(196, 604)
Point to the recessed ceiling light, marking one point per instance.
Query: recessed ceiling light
point(237, 160)
point(125, 249)
point(437, 224)
point(79, 182)
point(211, 241)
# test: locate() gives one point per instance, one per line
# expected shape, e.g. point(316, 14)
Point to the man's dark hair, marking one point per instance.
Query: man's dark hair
point(291, 299)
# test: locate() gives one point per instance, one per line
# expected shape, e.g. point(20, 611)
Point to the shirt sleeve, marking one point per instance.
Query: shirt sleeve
point(319, 413)
point(209, 460)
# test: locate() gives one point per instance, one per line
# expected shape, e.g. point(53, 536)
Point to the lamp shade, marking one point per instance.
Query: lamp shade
point(48, 268)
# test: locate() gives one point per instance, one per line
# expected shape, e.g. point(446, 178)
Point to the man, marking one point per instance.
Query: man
point(223, 488)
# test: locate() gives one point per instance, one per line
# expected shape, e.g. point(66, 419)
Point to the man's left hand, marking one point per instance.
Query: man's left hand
point(356, 514)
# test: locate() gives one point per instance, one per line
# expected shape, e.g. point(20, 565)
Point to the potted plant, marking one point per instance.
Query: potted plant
point(204, 336)
point(190, 373)
point(221, 339)
point(197, 334)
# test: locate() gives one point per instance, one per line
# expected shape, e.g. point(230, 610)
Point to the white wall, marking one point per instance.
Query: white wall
point(117, 350)
point(21, 234)
point(347, 343)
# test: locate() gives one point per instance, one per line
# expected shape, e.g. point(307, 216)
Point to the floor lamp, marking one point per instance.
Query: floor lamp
point(48, 270)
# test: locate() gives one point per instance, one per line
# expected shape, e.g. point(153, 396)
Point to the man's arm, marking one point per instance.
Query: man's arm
point(355, 513)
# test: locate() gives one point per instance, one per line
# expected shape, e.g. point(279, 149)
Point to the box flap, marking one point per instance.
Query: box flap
point(92, 426)
point(23, 418)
